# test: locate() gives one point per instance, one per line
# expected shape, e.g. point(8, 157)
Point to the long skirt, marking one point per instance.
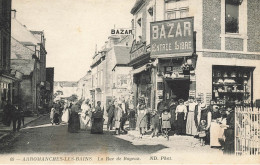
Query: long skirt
point(82, 122)
point(142, 120)
point(180, 124)
point(74, 123)
point(216, 132)
point(191, 128)
point(65, 116)
point(229, 146)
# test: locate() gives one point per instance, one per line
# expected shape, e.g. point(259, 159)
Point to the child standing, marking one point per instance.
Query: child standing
point(166, 124)
point(203, 124)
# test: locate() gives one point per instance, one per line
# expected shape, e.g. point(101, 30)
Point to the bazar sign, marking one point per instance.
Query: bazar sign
point(121, 31)
point(172, 36)
point(137, 49)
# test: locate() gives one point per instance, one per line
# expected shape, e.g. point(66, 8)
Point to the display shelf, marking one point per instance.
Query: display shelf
point(221, 85)
point(231, 83)
point(233, 92)
point(230, 77)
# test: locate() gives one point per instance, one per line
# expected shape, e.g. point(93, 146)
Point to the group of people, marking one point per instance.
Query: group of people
point(78, 115)
point(117, 112)
point(211, 124)
point(13, 114)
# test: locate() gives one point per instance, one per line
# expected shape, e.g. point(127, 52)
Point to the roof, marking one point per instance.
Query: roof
point(22, 34)
point(20, 51)
point(122, 54)
point(24, 66)
point(66, 83)
point(137, 5)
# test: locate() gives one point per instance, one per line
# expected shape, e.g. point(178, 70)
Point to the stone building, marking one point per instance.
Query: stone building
point(29, 57)
point(110, 70)
point(84, 86)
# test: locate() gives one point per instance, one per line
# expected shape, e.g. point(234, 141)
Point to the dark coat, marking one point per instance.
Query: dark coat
point(110, 110)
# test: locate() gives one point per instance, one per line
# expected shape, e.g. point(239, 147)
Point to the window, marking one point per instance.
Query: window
point(184, 12)
point(171, 15)
point(231, 16)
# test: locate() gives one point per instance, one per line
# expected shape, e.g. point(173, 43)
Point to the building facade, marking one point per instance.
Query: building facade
point(84, 86)
point(110, 70)
point(6, 79)
point(204, 49)
point(29, 56)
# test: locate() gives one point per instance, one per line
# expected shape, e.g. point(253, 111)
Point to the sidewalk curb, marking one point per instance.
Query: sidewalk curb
point(9, 132)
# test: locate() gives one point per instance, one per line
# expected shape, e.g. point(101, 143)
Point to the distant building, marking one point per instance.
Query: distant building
point(84, 86)
point(64, 89)
point(110, 71)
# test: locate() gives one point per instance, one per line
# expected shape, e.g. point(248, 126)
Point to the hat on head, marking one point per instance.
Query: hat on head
point(173, 97)
point(191, 97)
point(203, 105)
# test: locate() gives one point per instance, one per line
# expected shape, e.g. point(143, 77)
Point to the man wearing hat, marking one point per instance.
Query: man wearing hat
point(229, 146)
point(172, 107)
point(110, 114)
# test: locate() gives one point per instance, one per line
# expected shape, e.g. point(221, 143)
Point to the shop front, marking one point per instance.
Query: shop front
point(172, 47)
point(142, 73)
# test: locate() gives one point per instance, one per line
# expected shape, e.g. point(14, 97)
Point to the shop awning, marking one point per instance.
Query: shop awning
point(141, 69)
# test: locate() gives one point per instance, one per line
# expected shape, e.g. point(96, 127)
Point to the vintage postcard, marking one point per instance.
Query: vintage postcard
point(129, 82)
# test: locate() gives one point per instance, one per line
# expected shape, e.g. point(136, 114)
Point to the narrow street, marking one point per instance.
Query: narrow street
point(42, 137)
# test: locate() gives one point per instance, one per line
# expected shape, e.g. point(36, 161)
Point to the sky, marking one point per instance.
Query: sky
point(72, 29)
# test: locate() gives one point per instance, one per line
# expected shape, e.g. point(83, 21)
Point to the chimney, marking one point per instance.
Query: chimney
point(13, 14)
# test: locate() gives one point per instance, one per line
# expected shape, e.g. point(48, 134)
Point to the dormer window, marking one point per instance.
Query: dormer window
point(139, 21)
point(184, 12)
point(150, 11)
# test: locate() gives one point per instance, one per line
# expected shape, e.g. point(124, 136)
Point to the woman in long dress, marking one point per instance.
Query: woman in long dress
point(142, 119)
point(65, 114)
point(181, 112)
point(74, 123)
point(216, 132)
point(52, 114)
point(191, 128)
point(118, 116)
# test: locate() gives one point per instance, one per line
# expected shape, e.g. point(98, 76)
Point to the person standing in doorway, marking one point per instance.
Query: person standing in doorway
point(181, 113)
point(172, 107)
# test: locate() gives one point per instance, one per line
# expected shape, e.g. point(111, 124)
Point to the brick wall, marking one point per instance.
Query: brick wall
point(211, 28)
point(234, 44)
point(253, 30)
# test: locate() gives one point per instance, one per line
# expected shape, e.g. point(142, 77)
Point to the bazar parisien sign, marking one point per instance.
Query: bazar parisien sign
point(138, 49)
point(172, 36)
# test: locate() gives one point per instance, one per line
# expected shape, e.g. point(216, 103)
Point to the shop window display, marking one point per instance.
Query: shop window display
point(232, 84)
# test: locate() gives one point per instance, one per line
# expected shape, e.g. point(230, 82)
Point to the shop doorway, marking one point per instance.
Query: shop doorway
point(180, 88)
